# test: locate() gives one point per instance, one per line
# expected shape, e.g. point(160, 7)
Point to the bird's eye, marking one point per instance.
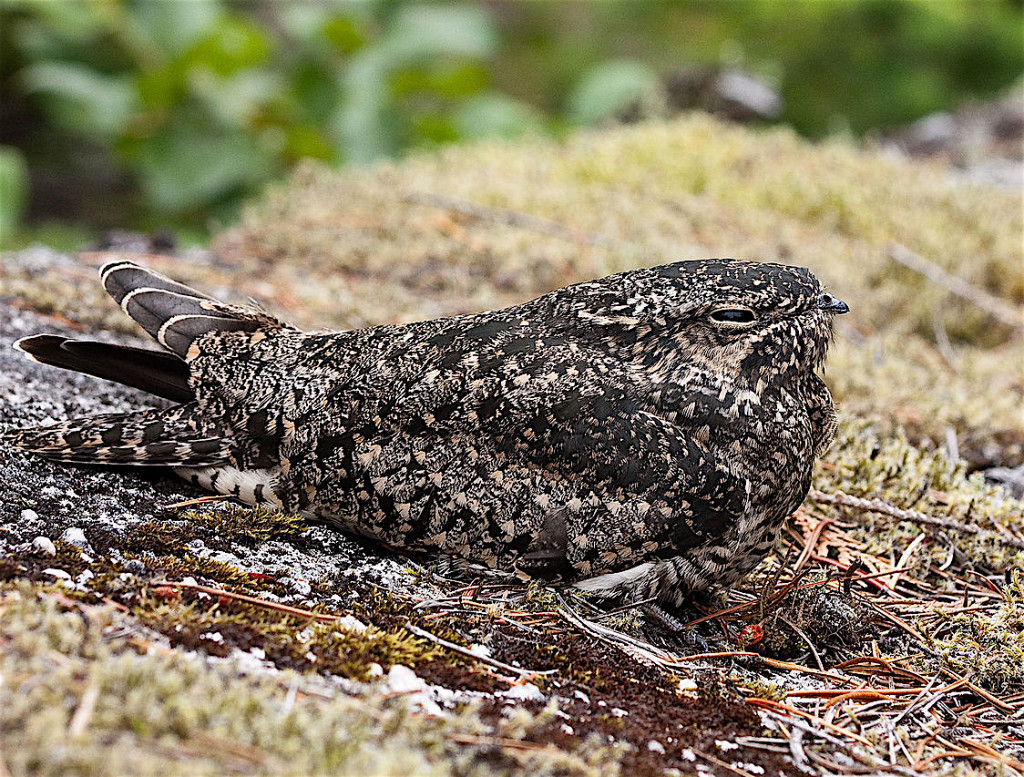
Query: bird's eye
point(733, 316)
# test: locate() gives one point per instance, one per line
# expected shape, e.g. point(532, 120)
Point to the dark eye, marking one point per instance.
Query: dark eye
point(733, 316)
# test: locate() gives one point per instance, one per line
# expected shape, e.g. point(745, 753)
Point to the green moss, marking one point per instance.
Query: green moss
point(222, 525)
point(219, 625)
point(246, 525)
point(79, 698)
point(988, 647)
point(864, 464)
point(901, 382)
point(762, 689)
point(217, 572)
point(108, 575)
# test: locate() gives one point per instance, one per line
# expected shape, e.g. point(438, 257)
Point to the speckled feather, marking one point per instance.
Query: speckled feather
point(614, 432)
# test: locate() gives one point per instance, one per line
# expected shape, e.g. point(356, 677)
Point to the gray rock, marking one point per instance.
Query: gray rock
point(73, 535)
point(1012, 479)
point(44, 545)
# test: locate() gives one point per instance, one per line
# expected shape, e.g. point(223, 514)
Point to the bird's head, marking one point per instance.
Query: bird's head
point(744, 320)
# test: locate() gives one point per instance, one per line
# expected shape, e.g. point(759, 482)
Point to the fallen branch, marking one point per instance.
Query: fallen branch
point(997, 308)
point(885, 508)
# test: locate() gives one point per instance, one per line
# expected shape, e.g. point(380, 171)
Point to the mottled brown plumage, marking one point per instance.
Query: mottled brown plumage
point(644, 435)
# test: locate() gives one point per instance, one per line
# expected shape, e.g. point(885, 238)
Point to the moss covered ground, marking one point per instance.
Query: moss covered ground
point(889, 624)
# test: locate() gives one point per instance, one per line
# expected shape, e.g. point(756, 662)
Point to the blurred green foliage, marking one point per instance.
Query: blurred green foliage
point(839, 65)
point(13, 185)
point(151, 113)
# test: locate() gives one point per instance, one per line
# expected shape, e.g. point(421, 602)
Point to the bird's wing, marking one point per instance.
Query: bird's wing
point(635, 484)
point(546, 450)
point(647, 488)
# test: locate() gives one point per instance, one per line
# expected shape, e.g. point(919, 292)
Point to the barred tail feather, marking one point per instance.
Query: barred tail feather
point(159, 437)
point(174, 314)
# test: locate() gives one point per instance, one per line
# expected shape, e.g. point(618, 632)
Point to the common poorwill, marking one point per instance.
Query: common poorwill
point(644, 435)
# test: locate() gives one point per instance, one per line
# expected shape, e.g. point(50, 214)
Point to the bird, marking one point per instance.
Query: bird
point(642, 436)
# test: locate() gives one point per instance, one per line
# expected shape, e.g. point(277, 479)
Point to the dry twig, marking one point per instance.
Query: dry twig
point(219, 592)
point(885, 508)
point(517, 670)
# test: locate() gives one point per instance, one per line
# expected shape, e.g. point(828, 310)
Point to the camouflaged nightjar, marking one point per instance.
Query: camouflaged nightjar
point(643, 435)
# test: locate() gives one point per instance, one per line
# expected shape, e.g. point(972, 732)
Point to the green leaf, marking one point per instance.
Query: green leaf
point(343, 33)
point(494, 114)
point(422, 31)
point(192, 166)
point(173, 26)
point(612, 87)
point(457, 80)
point(233, 43)
point(161, 89)
point(366, 125)
point(83, 100)
point(69, 21)
point(307, 141)
point(236, 99)
point(434, 127)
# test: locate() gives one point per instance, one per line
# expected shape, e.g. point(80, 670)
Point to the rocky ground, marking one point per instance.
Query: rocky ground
point(145, 630)
point(44, 501)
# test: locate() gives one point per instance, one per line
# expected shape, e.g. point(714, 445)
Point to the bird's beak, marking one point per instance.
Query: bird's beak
point(832, 304)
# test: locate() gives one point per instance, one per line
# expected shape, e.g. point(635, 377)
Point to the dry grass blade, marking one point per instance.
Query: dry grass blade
point(787, 713)
point(199, 500)
point(720, 654)
point(513, 744)
point(992, 699)
point(719, 763)
point(810, 542)
point(643, 651)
